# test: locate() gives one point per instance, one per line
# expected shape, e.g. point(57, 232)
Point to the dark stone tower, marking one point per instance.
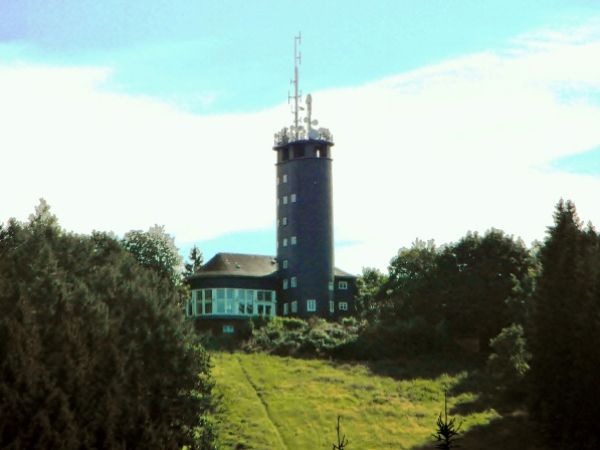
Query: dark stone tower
point(305, 225)
point(304, 213)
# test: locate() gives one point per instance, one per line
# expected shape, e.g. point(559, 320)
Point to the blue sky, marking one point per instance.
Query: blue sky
point(163, 112)
point(224, 56)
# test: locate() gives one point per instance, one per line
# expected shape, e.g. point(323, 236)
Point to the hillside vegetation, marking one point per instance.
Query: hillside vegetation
point(272, 402)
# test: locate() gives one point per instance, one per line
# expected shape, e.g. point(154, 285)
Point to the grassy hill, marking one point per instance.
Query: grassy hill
point(273, 403)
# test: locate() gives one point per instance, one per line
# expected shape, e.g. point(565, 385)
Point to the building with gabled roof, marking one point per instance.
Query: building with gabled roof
point(301, 280)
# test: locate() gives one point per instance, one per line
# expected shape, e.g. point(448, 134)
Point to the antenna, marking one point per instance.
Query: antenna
point(311, 133)
point(296, 81)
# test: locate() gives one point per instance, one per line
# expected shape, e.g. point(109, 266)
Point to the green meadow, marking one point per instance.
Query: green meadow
point(270, 402)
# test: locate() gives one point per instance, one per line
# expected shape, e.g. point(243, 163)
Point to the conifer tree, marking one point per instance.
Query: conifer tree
point(94, 352)
point(196, 260)
point(565, 334)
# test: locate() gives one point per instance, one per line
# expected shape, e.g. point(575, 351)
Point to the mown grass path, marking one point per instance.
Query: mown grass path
point(272, 403)
point(263, 403)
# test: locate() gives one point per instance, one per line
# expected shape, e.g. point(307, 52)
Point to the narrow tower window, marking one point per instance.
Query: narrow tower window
point(285, 242)
point(285, 263)
point(294, 282)
point(285, 283)
point(294, 241)
point(293, 198)
point(285, 177)
point(285, 199)
point(284, 221)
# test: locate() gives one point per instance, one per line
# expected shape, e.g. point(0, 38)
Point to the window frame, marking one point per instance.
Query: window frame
point(311, 305)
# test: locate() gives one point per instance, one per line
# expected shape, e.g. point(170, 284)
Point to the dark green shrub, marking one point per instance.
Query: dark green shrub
point(509, 362)
point(293, 336)
point(293, 323)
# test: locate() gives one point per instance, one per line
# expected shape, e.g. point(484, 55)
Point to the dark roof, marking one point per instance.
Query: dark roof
point(243, 265)
point(342, 273)
point(239, 264)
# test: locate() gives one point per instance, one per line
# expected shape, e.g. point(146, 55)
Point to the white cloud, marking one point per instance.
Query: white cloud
point(119, 162)
point(462, 145)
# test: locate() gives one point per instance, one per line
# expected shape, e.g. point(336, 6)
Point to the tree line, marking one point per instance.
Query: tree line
point(533, 312)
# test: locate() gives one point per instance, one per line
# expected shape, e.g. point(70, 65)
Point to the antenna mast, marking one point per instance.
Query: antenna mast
point(296, 81)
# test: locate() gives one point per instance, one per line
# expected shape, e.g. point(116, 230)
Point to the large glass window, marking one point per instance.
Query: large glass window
point(208, 295)
point(241, 301)
point(198, 305)
point(221, 301)
point(232, 301)
point(249, 302)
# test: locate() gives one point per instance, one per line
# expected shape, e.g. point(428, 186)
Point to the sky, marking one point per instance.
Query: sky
point(447, 117)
